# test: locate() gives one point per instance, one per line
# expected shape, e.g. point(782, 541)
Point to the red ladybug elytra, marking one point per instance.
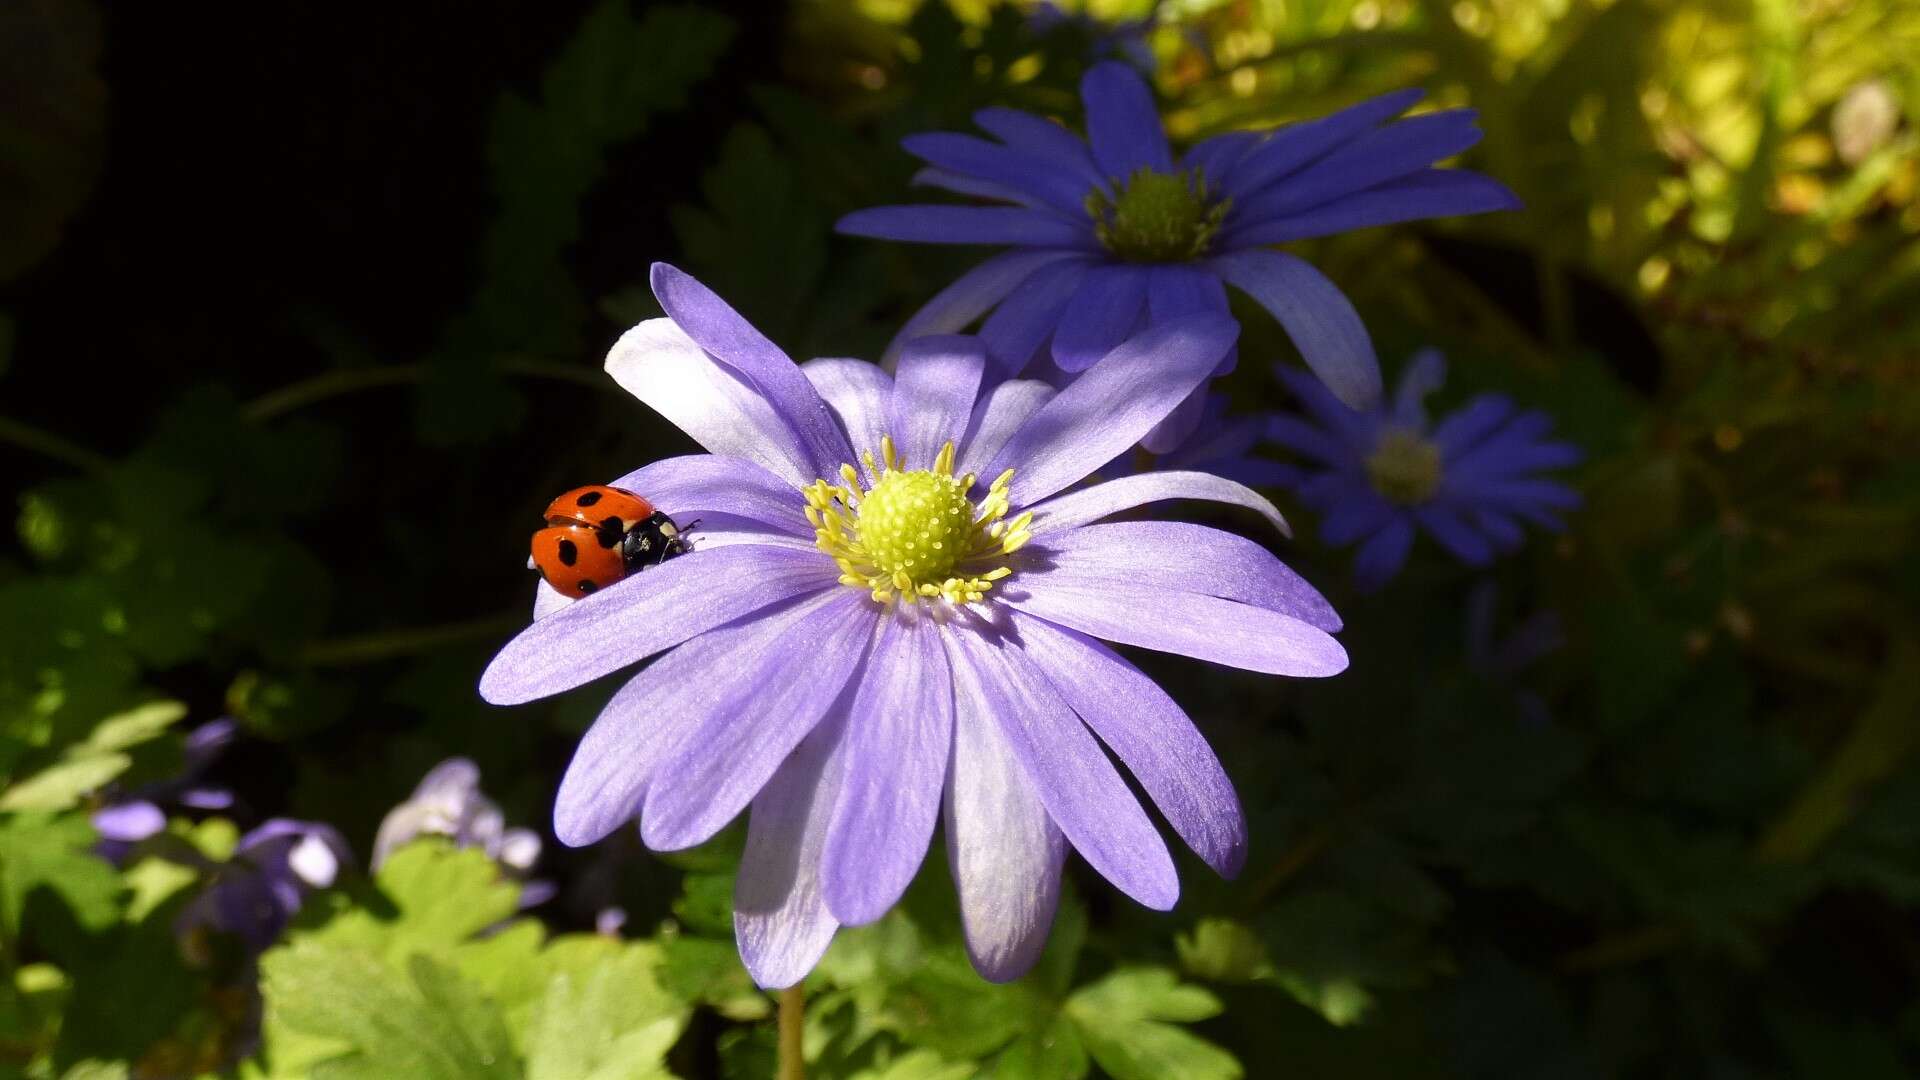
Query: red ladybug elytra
point(597, 535)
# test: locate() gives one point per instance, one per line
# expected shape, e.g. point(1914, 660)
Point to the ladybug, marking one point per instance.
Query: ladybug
point(597, 535)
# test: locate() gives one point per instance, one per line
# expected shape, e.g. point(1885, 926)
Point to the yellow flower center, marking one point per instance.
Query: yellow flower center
point(1404, 467)
point(1158, 217)
point(914, 534)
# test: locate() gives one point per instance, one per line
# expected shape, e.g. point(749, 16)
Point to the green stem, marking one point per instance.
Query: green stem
point(385, 644)
point(343, 381)
point(47, 444)
point(793, 1016)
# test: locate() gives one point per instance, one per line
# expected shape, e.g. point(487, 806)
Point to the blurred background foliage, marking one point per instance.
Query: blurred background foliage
point(300, 321)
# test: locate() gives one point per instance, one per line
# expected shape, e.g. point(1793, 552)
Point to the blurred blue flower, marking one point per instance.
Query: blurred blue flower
point(255, 893)
point(1123, 39)
point(132, 816)
point(1501, 660)
point(448, 802)
point(1377, 475)
point(1113, 232)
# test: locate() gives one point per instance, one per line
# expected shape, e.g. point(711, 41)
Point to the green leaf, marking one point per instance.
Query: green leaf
point(1127, 1021)
point(606, 1019)
point(1223, 950)
point(428, 898)
point(40, 852)
point(430, 1026)
point(89, 766)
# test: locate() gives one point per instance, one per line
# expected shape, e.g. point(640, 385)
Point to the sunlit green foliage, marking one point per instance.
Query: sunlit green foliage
point(1697, 858)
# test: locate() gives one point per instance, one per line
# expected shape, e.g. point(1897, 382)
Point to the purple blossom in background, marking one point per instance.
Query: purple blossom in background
point(256, 892)
point(136, 815)
point(1113, 233)
point(891, 611)
point(1378, 475)
point(448, 802)
point(1124, 39)
point(1500, 661)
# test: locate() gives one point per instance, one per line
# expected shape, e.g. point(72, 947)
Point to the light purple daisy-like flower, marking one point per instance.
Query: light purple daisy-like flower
point(448, 802)
point(1114, 232)
point(1379, 475)
point(891, 611)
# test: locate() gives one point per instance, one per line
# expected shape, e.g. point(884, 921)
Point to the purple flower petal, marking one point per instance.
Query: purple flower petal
point(1109, 305)
point(1216, 157)
point(1104, 500)
point(1109, 407)
point(1004, 851)
point(1123, 125)
point(731, 340)
point(1033, 176)
point(1180, 557)
point(1453, 533)
point(643, 614)
point(780, 918)
point(1357, 514)
point(1001, 412)
point(1203, 627)
point(1173, 291)
point(1318, 317)
point(1429, 193)
point(858, 394)
point(1474, 421)
point(899, 735)
point(686, 488)
point(659, 364)
point(650, 719)
point(1424, 373)
point(973, 293)
point(973, 187)
point(1151, 734)
point(1359, 430)
point(1292, 147)
point(750, 730)
point(1305, 439)
point(129, 822)
point(933, 394)
point(1026, 320)
point(1397, 150)
point(1382, 556)
point(1080, 788)
point(968, 225)
point(1043, 139)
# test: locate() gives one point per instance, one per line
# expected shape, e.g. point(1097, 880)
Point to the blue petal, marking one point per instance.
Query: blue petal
point(1382, 556)
point(1393, 152)
point(1104, 311)
point(1122, 123)
point(974, 187)
point(1471, 423)
point(1454, 534)
point(1317, 316)
point(971, 156)
point(1292, 147)
point(1026, 319)
point(1303, 438)
point(974, 293)
point(968, 225)
point(1424, 374)
point(1043, 139)
point(1363, 513)
point(1429, 193)
point(1172, 291)
point(1359, 430)
point(1216, 157)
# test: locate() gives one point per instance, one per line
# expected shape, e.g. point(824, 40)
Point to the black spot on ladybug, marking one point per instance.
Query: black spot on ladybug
point(610, 532)
point(569, 554)
point(589, 498)
point(586, 586)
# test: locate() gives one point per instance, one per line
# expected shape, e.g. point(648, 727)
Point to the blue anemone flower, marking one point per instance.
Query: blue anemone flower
point(1378, 475)
point(1113, 232)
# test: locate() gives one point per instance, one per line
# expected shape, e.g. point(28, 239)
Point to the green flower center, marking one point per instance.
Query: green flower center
point(1404, 467)
point(914, 533)
point(1158, 217)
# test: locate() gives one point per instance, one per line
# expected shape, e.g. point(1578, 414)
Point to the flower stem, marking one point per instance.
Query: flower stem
point(341, 381)
point(384, 644)
point(47, 444)
point(793, 1015)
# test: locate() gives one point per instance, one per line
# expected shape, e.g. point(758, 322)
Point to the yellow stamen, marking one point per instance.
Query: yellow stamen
point(915, 534)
